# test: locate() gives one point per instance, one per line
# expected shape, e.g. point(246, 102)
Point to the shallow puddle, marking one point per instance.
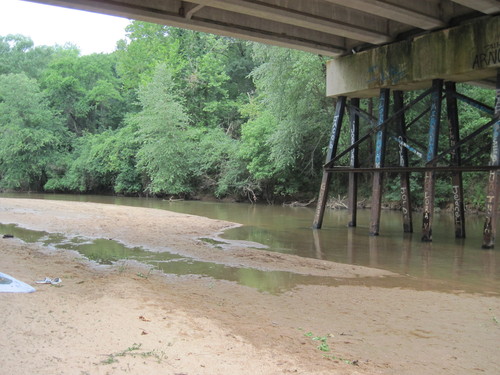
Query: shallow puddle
point(108, 251)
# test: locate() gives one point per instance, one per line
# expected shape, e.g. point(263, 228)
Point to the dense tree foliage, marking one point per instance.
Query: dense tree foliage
point(177, 112)
point(32, 138)
point(19, 55)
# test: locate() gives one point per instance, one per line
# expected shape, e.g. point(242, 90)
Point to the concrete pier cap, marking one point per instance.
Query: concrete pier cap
point(469, 52)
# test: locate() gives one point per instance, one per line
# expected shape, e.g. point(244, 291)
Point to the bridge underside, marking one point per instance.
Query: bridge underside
point(327, 27)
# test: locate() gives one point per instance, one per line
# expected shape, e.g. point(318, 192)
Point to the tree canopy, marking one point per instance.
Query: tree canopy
point(172, 112)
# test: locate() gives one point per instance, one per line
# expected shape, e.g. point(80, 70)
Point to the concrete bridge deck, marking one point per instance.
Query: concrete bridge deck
point(328, 27)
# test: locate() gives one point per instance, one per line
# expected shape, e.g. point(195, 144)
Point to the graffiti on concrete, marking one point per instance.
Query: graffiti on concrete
point(489, 56)
point(391, 74)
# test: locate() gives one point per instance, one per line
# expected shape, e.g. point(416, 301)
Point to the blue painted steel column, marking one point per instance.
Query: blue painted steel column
point(380, 137)
point(352, 192)
point(456, 160)
point(332, 150)
point(489, 231)
point(429, 179)
point(403, 162)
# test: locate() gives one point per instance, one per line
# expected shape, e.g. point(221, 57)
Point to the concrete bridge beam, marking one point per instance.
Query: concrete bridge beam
point(485, 6)
point(412, 14)
point(469, 52)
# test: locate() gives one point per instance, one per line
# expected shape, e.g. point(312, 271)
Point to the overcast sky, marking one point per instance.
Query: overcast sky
point(50, 25)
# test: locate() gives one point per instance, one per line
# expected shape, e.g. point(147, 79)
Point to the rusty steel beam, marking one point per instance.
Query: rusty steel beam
point(429, 178)
point(474, 103)
point(332, 150)
point(456, 159)
point(380, 138)
point(379, 127)
point(489, 231)
point(464, 140)
point(431, 168)
point(365, 115)
point(403, 144)
point(352, 195)
point(403, 162)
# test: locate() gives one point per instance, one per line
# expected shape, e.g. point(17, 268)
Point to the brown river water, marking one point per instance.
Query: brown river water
point(446, 264)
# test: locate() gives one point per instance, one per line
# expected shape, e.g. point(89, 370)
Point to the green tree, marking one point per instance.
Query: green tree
point(147, 46)
point(210, 71)
point(103, 162)
point(19, 55)
point(176, 158)
point(32, 137)
point(166, 155)
point(86, 90)
point(216, 78)
point(251, 171)
point(285, 139)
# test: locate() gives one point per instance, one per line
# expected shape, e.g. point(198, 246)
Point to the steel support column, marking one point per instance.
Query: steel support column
point(403, 162)
point(380, 138)
point(489, 231)
point(352, 203)
point(332, 150)
point(456, 160)
point(429, 179)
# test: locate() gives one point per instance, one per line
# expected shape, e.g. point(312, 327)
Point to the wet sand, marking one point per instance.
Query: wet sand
point(122, 319)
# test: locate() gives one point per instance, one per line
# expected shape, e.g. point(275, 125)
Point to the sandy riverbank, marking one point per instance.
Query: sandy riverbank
point(110, 320)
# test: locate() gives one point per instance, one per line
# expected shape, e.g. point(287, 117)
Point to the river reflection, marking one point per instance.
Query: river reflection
point(455, 264)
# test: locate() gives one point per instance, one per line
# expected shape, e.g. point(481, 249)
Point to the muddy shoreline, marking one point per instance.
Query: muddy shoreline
point(119, 319)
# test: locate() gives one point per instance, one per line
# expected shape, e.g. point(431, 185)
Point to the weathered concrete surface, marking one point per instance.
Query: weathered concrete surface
point(468, 52)
point(327, 27)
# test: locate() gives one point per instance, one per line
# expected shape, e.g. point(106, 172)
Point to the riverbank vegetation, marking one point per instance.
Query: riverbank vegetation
point(179, 113)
